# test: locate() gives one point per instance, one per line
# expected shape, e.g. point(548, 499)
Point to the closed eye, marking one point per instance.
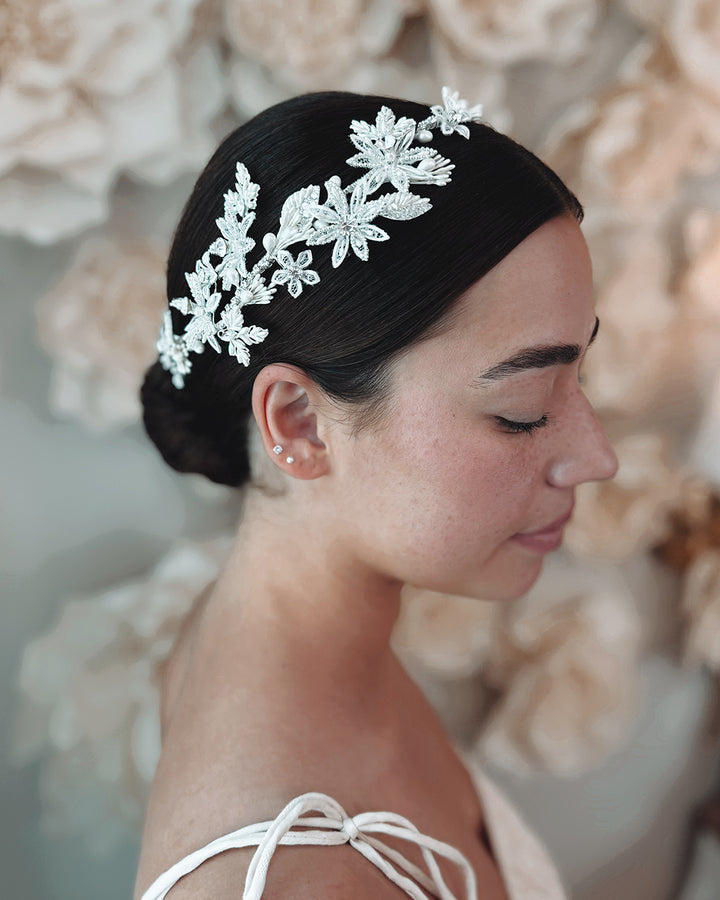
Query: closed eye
point(521, 427)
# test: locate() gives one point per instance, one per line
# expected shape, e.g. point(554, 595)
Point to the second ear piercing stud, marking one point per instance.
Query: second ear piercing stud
point(290, 459)
point(277, 449)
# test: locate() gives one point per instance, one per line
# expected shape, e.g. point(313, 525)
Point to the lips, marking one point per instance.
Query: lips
point(546, 539)
point(553, 526)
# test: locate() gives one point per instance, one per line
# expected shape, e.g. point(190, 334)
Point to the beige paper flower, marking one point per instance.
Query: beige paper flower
point(693, 32)
point(567, 667)
point(700, 606)
point(89, 696)
point(620, 518)
point(447, 636)
point(618, 378)
point(631, 143)
point(506, 31)
point(700, 286)
point(305, 42)
point(88, 95)
point(99, 323)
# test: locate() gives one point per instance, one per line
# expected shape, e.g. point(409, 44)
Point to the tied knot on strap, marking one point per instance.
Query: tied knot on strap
point(336, 827)
point(350, 828)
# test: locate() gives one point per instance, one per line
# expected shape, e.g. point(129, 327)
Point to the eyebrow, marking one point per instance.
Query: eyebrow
point(537, 358)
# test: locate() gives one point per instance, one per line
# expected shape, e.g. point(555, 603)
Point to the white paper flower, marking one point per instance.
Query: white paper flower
point(91, 92)
point(506, 31)
point(99, 324)
point(294, 272)
point(89, 696)
point(346, 224)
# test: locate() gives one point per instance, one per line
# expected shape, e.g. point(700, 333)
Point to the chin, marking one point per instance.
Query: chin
point(510, 583)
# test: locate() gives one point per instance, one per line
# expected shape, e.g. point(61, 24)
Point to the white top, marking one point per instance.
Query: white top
point(526, 868)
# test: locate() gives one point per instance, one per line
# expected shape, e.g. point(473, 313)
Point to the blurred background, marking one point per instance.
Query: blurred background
point(594, 701)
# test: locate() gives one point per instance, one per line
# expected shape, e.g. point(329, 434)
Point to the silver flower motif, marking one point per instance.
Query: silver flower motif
point(173, 352)
point(252, 289)
point(201, 328)
point(452, 114)
point(294, 272)
point(385, 150)
point(234, 227)
point(232, 329)
point(347, 225)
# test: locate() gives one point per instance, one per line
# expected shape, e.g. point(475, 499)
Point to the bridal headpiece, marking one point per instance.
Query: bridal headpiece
point(386, 149)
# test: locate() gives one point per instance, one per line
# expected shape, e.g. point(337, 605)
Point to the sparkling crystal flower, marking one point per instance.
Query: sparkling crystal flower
point(294, 272)
point(453, 113)
point(347, 224)
point(385, 150)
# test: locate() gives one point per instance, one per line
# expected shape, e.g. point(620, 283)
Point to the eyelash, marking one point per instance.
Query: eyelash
point(521, 427)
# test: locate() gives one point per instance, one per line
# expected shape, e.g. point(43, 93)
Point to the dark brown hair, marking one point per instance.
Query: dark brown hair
point(345, 330)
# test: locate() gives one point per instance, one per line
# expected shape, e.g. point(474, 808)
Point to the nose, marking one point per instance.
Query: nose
point(585, 452)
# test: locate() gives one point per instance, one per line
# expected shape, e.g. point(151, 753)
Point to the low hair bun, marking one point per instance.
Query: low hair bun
point(191, 433)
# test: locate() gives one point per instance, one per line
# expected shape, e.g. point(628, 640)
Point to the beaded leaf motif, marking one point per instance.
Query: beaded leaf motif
point(387, 149)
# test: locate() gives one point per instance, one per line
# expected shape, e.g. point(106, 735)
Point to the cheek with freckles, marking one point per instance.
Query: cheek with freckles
point(451, 497)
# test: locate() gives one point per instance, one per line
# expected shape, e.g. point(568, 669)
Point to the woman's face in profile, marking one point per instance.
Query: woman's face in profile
point(463, 486)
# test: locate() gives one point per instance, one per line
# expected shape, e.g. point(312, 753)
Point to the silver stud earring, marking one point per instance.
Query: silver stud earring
point(277, 449)
point(290, 459)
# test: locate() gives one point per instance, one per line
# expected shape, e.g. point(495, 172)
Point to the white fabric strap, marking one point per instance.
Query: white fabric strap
point(336, 827)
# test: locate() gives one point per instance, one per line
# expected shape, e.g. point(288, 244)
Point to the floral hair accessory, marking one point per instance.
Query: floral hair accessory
point(387, 150)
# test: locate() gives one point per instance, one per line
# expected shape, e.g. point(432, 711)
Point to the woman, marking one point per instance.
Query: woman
point(406, 412)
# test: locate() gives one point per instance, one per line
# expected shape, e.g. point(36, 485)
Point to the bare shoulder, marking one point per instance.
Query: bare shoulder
point(300, 873)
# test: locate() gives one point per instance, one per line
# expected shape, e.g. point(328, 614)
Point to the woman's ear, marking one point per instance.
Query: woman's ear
point(285, 405)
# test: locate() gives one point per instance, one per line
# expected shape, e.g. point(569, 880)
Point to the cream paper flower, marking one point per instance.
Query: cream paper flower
point(618, 378)
point(699, 302)
point(620, 518)
point(565, 660)
point(506, 31)
point(89, 702)
point(302, 41)
point(92, 91)
point(700, 606)
point(447, 636)
point(693, 32)
point(99, 324)
point(631, 143)
point(700, 281)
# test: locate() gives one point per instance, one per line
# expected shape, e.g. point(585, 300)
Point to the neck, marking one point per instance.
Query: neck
point(292, 588)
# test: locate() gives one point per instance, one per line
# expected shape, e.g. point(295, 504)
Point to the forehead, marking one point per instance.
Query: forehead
point(541, 293)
